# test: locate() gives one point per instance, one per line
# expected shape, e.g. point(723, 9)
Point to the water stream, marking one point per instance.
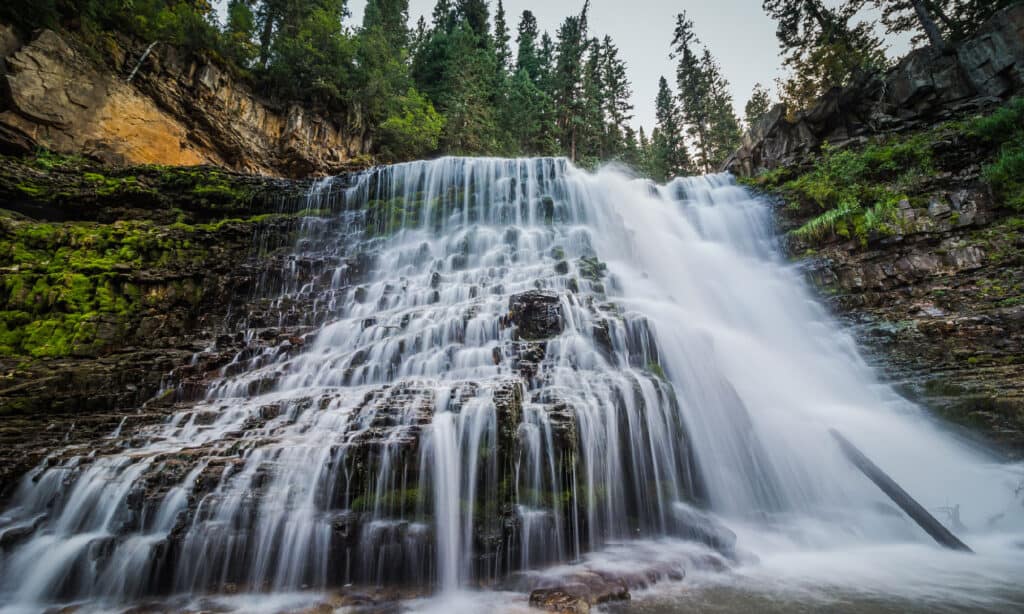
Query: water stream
point(509, 365)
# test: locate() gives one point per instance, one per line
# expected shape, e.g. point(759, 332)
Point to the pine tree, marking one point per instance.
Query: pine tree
point(240, 31)
point(938, 21)
point(546, 60)
point(528, 117)
point(391, 17)
point(590, 135)
point(642, 153)
point(630, 153)
point(567, 80)
point(616, 98)
point(527, 54)
point(693, 87)
point(501, 39)
point(444, 16)
point(759, 104)
point(476, 14)
point(823, 47)
point(723, 127)
point(667, 156)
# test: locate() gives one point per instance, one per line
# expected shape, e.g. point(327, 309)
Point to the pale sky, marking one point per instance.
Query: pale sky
point(737, 32)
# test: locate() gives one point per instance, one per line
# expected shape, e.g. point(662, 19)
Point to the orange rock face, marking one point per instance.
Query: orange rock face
point(175, 111)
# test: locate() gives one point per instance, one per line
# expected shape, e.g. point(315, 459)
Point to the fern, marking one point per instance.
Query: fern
point(825, 224)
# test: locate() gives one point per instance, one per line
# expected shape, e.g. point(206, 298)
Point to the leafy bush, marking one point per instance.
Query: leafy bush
point(412, 130)
point(1005, 129)
point(859, 190)
point(1000, 125)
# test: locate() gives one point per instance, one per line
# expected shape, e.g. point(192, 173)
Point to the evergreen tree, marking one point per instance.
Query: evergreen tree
point(501, 39)
point(240, 31)
point(630, 153)
point(590, 125)
point(823, 47)
point(616, 99)
point(760, 103)
point(476, 15)
point(527, 54)
point(938, 21)
point(529, 117)
point(546, 60)
point(667, 155)
point(444, 16)
point(391, 17)
point(693, 87)
point(724, 132)
point(311, 55)
point(567, 80)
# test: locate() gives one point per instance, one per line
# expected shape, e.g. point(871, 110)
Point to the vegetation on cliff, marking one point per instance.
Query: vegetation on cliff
point(857, 191)
point(108, 245)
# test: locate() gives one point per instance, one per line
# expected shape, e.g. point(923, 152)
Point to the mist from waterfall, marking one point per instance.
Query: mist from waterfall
point(419, 437)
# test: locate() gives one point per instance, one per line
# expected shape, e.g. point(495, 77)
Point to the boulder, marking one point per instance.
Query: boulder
point(536, 315)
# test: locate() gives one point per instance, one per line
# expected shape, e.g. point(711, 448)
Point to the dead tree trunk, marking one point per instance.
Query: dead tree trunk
point(900, 497)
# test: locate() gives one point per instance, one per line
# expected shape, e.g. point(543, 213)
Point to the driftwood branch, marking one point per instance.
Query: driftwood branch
point(900, 497)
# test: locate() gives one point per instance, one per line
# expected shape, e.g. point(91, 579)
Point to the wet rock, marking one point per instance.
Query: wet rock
point(559, 600)
point(578, 591)
point(537, 315)
point(701, 526)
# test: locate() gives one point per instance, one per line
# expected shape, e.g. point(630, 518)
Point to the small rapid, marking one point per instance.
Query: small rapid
point(507, 365)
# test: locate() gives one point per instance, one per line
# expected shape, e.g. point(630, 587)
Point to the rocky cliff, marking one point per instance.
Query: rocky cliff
point(922, 89)
point(113, 277)
point(129, 104)
point(900, 198)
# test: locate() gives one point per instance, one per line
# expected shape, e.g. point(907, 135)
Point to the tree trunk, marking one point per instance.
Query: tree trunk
point(929, 26)
point(934, 528)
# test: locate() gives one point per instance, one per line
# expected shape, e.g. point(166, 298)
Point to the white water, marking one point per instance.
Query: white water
point(415, 350)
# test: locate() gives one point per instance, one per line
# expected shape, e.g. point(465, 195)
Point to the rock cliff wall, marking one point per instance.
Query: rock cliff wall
point(934, 292)
point(924, 88)
point(176, 110)
point(113, 277)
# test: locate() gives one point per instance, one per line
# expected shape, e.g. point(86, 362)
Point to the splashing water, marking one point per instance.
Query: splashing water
point(510, 363)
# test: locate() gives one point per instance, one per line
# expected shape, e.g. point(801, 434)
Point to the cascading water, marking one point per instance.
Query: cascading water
point(509, 363)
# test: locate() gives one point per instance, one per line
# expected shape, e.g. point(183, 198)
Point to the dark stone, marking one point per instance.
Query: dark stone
point(536, 315)
point(923, 87)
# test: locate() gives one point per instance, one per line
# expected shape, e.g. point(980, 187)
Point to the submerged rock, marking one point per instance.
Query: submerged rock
point(537, 315)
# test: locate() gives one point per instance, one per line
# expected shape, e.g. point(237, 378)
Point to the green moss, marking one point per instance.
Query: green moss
point(394, 502)
point(60, 279)
point(29, 189)
point(592, 269)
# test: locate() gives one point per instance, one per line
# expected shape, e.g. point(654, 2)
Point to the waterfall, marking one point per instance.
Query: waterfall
point(497, 365)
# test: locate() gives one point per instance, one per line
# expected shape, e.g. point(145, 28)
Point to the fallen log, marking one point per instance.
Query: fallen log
point(900, 497)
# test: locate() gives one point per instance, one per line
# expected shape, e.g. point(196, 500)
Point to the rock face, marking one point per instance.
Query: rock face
point(175, 111)
point(174, 263)
point(923, 88)
point(536, 315)
point(938, 305)
point(938, 302)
